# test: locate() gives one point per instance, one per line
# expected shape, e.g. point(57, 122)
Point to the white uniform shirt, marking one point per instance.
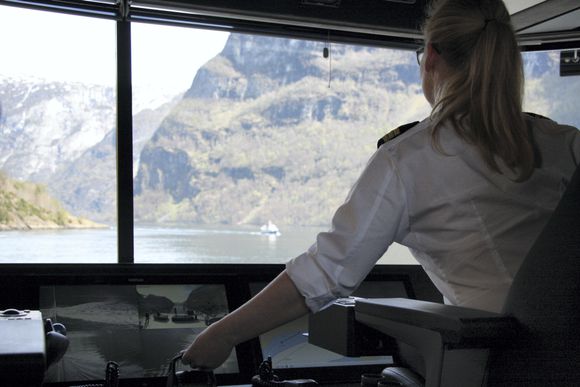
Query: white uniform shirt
point(469, 227)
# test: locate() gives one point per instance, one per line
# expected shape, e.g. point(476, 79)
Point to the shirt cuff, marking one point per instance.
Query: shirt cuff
point(300, 270)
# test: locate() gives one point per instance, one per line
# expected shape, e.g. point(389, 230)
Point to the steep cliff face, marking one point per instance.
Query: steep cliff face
point(250, 66)
point(260, 134)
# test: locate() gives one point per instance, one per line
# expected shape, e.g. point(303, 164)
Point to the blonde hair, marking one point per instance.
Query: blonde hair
point(482, 95)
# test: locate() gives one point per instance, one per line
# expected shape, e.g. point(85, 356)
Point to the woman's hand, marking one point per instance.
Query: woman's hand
point(208, 351)
point(278, 303)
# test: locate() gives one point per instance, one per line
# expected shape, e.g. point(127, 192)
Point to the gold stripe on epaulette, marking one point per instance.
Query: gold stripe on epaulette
point(392, 134)
point(395, 132)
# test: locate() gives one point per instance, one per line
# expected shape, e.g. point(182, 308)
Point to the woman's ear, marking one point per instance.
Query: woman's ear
point(432, 57)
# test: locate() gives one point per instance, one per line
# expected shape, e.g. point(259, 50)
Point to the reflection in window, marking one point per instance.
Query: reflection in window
point(57, 125)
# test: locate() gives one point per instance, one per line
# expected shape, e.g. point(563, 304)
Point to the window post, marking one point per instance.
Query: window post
point(125, 244)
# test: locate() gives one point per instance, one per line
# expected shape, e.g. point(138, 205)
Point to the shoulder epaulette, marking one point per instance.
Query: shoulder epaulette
point(534, 115)
point(395, 132)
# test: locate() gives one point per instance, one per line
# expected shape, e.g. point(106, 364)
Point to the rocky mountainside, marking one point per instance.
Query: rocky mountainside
point(269, 129)
point(48, 124)
point(263, 134)
point(260, 134)
point(62, 135)
point(87, 185)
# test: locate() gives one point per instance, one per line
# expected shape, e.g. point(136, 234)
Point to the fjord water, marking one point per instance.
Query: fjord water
point(154, 244)
point(158, 244)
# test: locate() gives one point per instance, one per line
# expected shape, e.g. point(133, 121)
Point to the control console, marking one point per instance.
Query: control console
point(22, 348)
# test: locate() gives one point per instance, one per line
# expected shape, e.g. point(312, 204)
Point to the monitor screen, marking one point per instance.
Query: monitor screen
point(288, 345)
point(141, 327)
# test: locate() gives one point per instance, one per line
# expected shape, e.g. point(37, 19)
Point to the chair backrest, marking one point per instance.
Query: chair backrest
point(545, 298)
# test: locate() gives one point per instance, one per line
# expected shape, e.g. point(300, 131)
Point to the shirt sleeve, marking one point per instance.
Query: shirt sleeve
point(372, 217)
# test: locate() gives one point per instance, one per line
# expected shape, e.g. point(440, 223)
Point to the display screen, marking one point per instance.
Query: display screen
point(140, 327)
point(288, 345)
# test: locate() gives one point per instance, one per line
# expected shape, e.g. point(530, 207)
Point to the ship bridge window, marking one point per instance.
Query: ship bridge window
point(547, 93)
point(57, 131)
point(247, 157)
point(242, 144)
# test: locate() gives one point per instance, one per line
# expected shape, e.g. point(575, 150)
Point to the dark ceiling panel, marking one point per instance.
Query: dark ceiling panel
point(547, 10)
point(380, 15)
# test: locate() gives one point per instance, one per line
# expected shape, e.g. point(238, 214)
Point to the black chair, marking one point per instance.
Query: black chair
point(534, 342)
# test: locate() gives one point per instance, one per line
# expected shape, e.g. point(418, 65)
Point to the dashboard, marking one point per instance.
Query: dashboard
point(141, 316)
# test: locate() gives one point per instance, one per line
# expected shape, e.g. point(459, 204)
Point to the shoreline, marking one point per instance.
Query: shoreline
point(47, 225)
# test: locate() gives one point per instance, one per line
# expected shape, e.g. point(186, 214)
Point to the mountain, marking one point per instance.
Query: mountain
point(26, 206)
point(87, 184)
point(63, 135)
point(48, 124)
point(260, 134)
point(269, 129)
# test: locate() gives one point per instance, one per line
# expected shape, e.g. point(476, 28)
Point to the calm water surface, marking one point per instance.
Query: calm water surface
point(155, 244)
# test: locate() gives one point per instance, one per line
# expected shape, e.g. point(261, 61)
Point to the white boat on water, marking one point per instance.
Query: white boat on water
point(270, 229)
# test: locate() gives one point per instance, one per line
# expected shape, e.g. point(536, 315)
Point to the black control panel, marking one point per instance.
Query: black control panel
point(22, 348)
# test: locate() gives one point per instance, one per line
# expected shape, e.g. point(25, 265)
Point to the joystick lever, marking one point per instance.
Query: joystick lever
point(267, 378)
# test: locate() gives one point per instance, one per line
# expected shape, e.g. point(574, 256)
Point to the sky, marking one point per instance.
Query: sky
point(72, 48)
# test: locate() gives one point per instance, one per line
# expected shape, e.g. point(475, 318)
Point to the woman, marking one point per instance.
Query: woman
point(467, 190)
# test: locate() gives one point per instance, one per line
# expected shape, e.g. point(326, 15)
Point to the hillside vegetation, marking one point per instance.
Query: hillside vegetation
point(26, 205)
point(260, 135)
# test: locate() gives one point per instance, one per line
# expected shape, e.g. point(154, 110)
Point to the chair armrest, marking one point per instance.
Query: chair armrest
point(458, 327)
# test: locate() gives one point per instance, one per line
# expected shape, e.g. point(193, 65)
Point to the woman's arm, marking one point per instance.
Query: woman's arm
point(278, 303)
